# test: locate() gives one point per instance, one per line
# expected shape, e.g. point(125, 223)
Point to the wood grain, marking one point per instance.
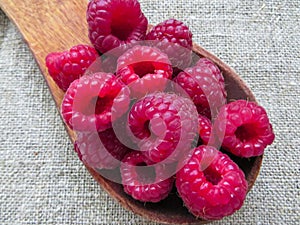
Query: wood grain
point(57, 25)
point(48, 26)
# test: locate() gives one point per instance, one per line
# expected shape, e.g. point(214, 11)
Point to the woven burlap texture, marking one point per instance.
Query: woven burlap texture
point(43, 182)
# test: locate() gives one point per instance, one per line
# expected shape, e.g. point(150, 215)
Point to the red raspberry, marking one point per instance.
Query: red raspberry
point(65, 67)
point(142, 182)
point(144, 68)
point(113, 23)
point(90, 100)
point(205, 129)
point(175, 39)
point(244, 128)
point(165, 125)
point(214, 70)
point(211, 185)
point(100, 150)
point(203, 88)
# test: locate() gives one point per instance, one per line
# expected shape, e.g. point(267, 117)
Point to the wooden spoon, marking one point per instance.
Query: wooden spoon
point(57, 25)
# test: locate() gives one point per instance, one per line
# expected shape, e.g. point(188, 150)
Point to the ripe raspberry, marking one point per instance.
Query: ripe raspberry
point(211, 185)
point(113, 23)
point(175, 39)
point(203, 88)
point(89, 102)
point(142, 66)
point(165, 125)
point(142, 182)
point(214, 70)
point(100, 150)
point(205, 129)
point(244, 128)
point(65, 67)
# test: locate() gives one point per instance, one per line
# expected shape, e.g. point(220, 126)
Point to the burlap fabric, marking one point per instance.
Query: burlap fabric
point(43, 182)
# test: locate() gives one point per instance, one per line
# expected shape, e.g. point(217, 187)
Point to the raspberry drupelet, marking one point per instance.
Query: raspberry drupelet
point(205, 130)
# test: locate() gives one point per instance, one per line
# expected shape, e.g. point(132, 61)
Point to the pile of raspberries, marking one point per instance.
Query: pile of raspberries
point(173, 110)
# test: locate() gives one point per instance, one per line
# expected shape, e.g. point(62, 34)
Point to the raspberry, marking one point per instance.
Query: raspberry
point(100, 150)
point(141, 66)
point(90, 100)
point(113, 23)
point(211, 185)
point(245, 128)
point(215, 71)
point(65, 67)
point(164, 125)
point(203, 88)
point(175, 39)
point(205, 129)
point(142, 182)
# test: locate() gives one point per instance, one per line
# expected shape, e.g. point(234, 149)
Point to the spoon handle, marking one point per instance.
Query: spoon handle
point(49, 26)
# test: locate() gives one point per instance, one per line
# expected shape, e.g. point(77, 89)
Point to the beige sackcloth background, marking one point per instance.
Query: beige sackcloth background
point(43, 182)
